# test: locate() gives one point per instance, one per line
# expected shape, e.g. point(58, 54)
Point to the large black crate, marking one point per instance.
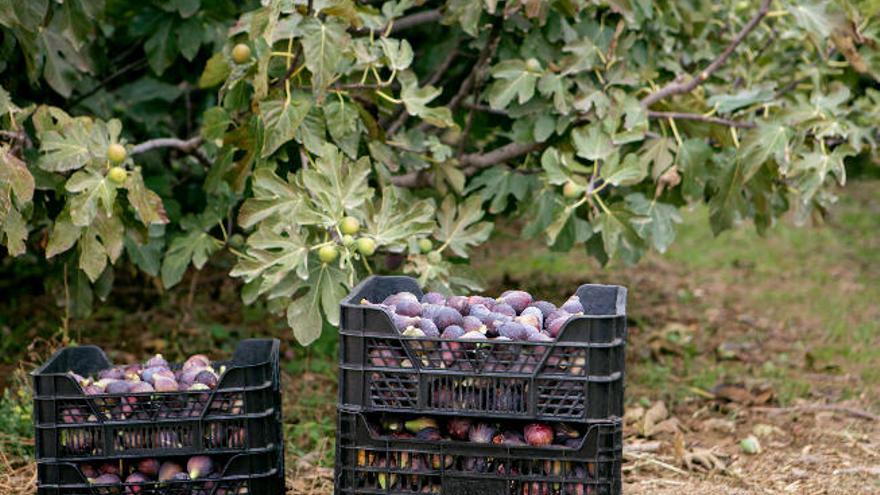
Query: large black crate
point(579, 377)
point(369, 463)
point(242, 412)
point(252, 473)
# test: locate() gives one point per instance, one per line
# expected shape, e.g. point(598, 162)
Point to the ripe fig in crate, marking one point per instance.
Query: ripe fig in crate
point(114, 373)
point(504, 309)
point(393, 299)
point(403, 322)
point(196, 361)
point(516, 299)
point(509, 438)
point(150, 466)
point(135, 478)
point(429, 328)
point(169, 470)
point(208, 378)
point(481, 433)
point(458, 428)
point(446, 317)
point(538, 434)
point(573, 305)
point(434, 298)
point(106, 484)
point(429, 434)
point(513, 331)
point(458, 303)
point(544, 306)
point(473, 324)
point(199, 466)
point(384, 358)
point(164, 384)
point(441, 461)
point(476, 465)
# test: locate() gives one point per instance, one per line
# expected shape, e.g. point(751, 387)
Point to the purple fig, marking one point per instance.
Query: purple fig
point(458, 303)
point(517, 299)
point(473, 324)
point(481, 433)
point(134, 479)
point(458, 428)
point(538, 434)
point(88, 471)
point(150, 374)
point(555, 327)
point(156, 361)
point(383, 358)
point(78, 379)
point(510, 438)
point(141, 388)
point(115, 373)
point(408, 308)
point(485, 301)
point(199, 466)
point(504, 309)
point(535, 313)
point(207, 377)
point(165, 384)
point(452, 332)
point(573, 305)
point(545, 307)
point(168, 470)
point(150, 467)
point(393, 299)
point(403, 322)
point(513, 330)
point(429, 328)
point(554, 315)
point(181, 477)
point(429, 434)
point(446, 317)
point(434, 298)
point(196, 361)
point(107, 479)
point(108, 468)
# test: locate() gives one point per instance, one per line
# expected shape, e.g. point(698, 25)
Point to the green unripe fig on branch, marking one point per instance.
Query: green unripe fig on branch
point(328, 254)
point(117, 175)
point(425, 245)
point(116, 153)
point(241, 53)
point(350, 225)
point(366, 246)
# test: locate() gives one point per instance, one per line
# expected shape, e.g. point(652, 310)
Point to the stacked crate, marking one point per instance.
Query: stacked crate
point(578, 379)
point(237, 424)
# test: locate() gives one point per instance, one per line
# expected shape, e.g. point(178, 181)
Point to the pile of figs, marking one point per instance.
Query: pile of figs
point(143, 475)
point(482, 432)
point(155, 375)
point(513, 316)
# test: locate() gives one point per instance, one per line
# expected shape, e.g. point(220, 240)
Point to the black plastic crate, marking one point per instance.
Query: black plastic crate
point(369, 463)
point(242, 412)
point(579, 377)
point(253, 473)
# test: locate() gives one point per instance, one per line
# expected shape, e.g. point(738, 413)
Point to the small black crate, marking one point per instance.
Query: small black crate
point(252, 473)
point(578, 377)
point(369, 463)
point(242, 412)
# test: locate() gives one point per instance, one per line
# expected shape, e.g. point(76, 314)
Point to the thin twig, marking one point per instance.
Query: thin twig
point(849, 411)
point(702, 118)
point(679, 85)
point(485, 57)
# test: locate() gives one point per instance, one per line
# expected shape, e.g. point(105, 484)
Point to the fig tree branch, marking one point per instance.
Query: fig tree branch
point(405, 22)
point(680, 85)
point(472, 163)
point(701, 118)
point(188, 146)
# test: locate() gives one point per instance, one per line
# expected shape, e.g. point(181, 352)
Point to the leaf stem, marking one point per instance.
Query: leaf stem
point(389, 98)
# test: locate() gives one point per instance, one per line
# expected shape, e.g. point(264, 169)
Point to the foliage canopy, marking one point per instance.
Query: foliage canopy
point(256, 127)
